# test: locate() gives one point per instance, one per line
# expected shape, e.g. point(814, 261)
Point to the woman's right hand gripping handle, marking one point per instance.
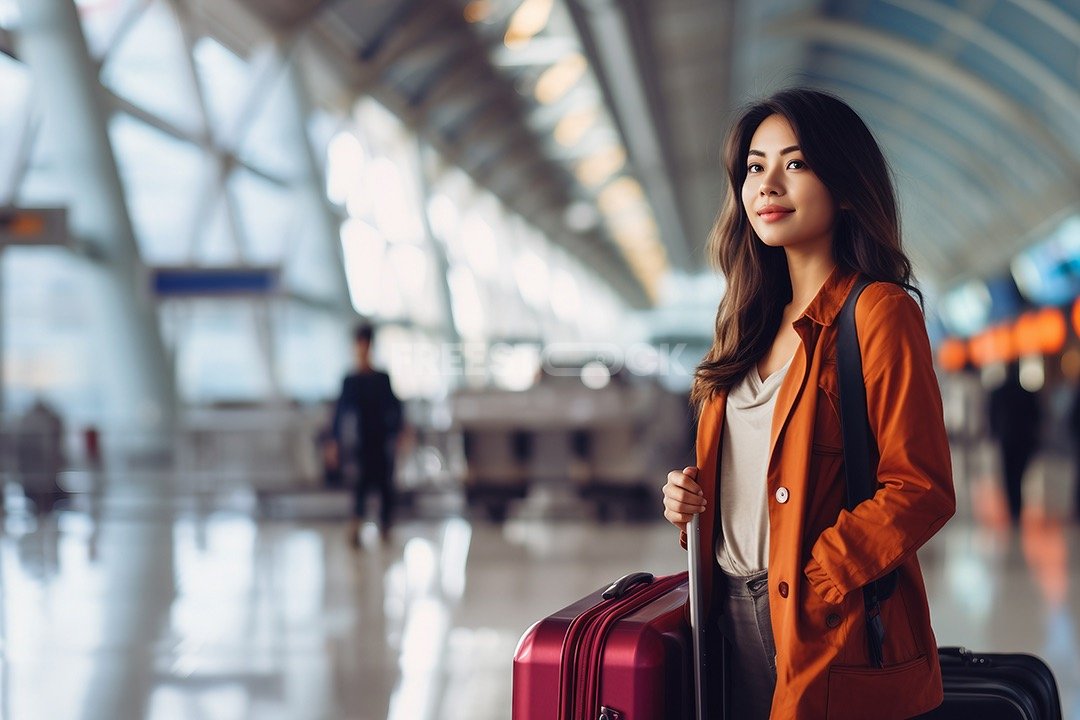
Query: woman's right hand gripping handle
point(683, 497)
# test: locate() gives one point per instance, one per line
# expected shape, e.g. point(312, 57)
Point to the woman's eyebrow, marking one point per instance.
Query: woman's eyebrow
point(785, 151)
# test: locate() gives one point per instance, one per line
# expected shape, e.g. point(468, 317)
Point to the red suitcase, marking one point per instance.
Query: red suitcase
point(623, 652)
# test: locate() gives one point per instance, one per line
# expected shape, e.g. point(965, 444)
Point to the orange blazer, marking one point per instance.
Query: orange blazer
point(820, 554)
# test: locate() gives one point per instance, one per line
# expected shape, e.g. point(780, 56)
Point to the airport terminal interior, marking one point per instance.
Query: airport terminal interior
point(201, 201)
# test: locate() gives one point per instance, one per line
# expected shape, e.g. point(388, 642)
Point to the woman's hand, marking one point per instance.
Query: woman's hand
point(683, 497)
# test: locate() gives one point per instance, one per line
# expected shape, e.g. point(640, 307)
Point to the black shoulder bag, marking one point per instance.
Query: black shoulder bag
point(860, 475)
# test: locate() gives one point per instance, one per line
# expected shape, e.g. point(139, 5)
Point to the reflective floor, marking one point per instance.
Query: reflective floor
point(159, 613)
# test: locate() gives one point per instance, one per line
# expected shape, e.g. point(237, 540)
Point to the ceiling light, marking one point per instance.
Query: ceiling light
point(573, 126)
point(601, 165)
point(529, 19)
point(478, 11)
point(557, 80)
point(620, 195)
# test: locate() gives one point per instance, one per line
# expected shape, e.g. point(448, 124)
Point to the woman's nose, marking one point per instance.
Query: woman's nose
point(769, 184)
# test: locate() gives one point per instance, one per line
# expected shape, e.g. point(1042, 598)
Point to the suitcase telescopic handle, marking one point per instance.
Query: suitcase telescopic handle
point(622, 586)
point(697, 623)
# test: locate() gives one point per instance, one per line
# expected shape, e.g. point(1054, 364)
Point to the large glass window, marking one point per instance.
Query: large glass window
point(308, 375)
point(9, 14)
point(311, 267)
point(215, 241)
point(224, 79)
point(14, 118)
point(149, 68)
point(102, 20)
point(49, 318)
point(218, 356)
point(161, 178)
point(267, 213)
point(272, 141)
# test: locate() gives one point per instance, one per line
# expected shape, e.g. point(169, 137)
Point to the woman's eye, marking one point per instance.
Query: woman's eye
point(753, 168)
point(796, 165)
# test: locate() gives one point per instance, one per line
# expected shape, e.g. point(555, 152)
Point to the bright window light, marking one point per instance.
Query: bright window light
point(364, 249)
point(565, 298)
point(413, 271)
point(531, 273)
point(444, 218)
point(515, 367)
point(467, 306)
point(394, 214)
point(481, 249)
point(9, 14)
point(345, 167)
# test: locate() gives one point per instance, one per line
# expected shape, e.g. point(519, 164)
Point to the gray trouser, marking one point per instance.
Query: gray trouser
point(751, 660)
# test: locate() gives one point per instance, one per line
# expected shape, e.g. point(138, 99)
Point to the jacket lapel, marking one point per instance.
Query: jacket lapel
point(819, 313)
point(791, 386)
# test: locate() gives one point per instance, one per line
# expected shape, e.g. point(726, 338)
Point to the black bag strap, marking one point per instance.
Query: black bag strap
point(860, 478)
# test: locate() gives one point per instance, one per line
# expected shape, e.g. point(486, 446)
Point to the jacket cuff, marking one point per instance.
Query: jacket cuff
point(822, 583)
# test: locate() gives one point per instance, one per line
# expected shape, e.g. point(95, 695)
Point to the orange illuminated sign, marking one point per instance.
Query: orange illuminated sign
point(33, 226)
point(952, 355)
point(1040, 332)
point(993, 345)
point(1052, 330)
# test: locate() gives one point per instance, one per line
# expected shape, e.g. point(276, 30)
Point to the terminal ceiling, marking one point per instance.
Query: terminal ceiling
point(975, 102)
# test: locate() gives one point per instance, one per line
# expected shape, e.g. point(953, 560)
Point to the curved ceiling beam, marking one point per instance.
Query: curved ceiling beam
point(969, 129)
point(369, 69)
point(953, 186)
point(1053, 17)
point(621, 65)
point(935, 69)
point(981, 247)
point(1026, 212)
point(975, 32)
point(460, 80)
point(1014, 203)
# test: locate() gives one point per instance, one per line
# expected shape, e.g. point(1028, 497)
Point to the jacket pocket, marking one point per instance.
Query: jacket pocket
point(898, 691)
point(832, 623)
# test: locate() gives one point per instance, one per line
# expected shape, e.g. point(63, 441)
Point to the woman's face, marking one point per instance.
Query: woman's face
point(786, 203)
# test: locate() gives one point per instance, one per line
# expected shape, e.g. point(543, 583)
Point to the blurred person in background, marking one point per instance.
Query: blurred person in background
point(39, 454)
point(366, 431)
point(1074, 437)
point(1015, 422)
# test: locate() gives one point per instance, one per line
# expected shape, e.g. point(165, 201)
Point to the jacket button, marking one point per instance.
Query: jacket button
point(832, 620)
point(782, 588)
point(782, 495)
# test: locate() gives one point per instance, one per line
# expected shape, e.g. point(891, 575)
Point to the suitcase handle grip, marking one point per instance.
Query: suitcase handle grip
point(622, 586)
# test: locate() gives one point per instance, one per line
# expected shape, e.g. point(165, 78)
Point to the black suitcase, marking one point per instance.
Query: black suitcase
point(995, 686)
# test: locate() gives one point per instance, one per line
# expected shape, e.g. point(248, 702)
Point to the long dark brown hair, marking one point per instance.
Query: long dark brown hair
point(842, 152)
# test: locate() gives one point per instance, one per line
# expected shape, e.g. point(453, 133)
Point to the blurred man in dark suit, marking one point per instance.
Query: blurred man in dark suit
point(368, 421)
point(1015, 422)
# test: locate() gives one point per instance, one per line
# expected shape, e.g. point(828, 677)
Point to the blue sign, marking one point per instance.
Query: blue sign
point(215, 282)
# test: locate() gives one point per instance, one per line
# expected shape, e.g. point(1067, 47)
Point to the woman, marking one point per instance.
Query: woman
point(811, 206)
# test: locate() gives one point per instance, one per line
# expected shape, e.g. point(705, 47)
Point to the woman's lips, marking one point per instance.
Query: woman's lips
point(770, 215)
